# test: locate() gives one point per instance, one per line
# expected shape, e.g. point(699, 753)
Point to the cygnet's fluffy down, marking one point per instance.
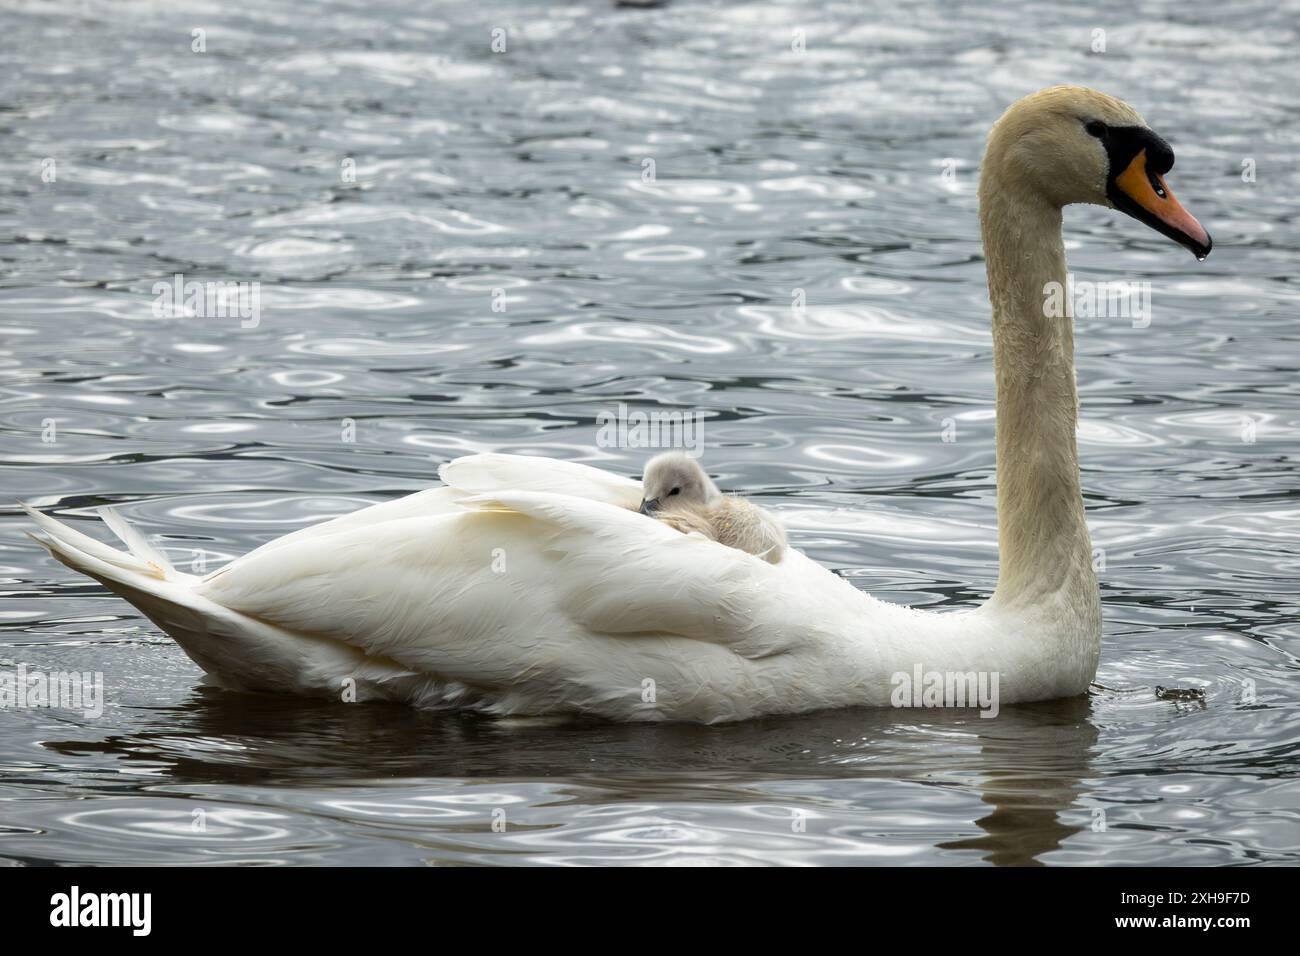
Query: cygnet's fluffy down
point(676, 491)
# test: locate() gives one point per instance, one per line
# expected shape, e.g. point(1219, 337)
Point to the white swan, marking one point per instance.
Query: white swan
point(533, 586)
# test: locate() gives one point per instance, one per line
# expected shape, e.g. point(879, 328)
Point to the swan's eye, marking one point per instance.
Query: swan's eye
point(1095, 128)
point(674, 491)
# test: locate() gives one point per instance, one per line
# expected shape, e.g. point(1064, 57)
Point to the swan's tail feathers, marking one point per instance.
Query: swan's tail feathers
point(141, 575)
point(235, 650)
point(136, 543)
point(91, 556)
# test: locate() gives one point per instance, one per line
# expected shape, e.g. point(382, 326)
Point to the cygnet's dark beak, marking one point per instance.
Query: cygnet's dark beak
point(649, 507)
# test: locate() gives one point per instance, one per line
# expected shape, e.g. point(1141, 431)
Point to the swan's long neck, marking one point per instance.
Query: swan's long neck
point(1045, 553)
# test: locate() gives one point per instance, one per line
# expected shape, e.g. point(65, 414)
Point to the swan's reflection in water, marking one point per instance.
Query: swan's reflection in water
point(1029, 803)
point(869, 786)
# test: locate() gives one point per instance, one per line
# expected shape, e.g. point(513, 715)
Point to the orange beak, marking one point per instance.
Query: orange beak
point(1143, 195)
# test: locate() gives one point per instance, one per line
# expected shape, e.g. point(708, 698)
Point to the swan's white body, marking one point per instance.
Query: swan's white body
point(532, 586)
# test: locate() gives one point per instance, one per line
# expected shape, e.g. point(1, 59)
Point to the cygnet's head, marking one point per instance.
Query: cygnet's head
point(674, 479)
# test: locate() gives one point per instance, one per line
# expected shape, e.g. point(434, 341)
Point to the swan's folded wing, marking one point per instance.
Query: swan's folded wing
point(521, 585)
point(625, 574)
point(487, 474)
point(421, 504)
point(475, 474)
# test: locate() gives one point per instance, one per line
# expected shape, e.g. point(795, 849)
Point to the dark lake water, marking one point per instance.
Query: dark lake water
point(846, 169)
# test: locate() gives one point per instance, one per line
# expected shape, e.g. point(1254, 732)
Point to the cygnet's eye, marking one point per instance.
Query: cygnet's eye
point(1095, 128)
point(673, 492)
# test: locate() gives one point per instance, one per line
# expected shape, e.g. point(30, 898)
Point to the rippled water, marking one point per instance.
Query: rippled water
point(525, 171)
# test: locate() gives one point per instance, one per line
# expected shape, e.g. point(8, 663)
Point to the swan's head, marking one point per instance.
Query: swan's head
point(1070, 144)
point(675, 479)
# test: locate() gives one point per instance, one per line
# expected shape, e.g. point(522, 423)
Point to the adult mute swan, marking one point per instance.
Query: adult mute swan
point(533, 586)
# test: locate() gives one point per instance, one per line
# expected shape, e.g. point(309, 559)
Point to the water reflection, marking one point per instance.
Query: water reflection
point(1030, 806)
point(1026, 765)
